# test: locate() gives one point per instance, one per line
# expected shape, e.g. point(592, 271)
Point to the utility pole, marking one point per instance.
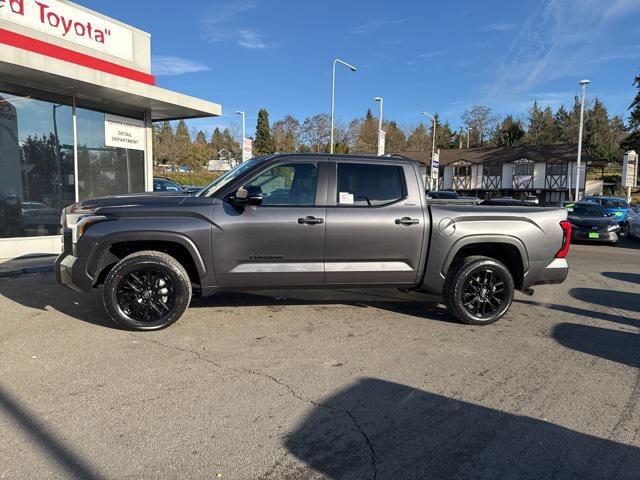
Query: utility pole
point(584, 84)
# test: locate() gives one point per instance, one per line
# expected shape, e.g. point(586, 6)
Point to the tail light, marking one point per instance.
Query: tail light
point(566, 239)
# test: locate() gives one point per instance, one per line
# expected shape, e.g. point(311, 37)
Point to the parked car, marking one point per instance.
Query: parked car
point(631, 227)
point(616, 206)
point(532, 199)
point(40, 215)
point(162, 184)
point(307, 221)
point(507, 202)
point(443, 195)
point(591, 222)
point(10, 215)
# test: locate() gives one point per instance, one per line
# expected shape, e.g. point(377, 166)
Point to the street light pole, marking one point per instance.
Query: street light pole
point(380, 100)
point(333, 91)
point(433, 142)
point(468, 135)
point(584, 84)
point(241, 113)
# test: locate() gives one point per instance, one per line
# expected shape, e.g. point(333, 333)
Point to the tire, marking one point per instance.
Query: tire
point(488, 296)
point(146, 290)
point(626, 230)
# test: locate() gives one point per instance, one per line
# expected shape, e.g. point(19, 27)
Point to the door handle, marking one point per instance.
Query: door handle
point(310, 221)
point(407, 221)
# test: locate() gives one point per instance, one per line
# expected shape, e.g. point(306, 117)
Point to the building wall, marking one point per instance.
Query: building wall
point(539, 174)
point(507, 176)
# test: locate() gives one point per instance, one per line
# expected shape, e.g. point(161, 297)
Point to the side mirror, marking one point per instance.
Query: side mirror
point(250, 195)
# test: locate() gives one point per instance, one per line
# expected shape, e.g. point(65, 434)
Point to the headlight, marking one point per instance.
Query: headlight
point(81, 225)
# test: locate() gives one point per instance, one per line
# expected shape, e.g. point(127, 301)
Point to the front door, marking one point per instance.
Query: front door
point(278, 243)
point(375, 228)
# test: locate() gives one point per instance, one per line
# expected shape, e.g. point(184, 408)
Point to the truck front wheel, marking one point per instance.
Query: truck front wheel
point(146, 290)
point(479, 290)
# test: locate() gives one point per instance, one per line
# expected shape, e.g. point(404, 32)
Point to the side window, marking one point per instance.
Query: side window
point(288, 184)
point(369, 185)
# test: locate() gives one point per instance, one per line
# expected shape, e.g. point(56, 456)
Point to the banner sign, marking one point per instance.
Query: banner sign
point(123, 132)
point(247, 149)
point(69, 23)
point(381, 138)
point(630, 169)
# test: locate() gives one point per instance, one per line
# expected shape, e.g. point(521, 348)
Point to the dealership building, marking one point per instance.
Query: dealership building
point(77, 102)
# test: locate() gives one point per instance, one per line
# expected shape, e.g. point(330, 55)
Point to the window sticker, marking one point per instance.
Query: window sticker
point(345, 198)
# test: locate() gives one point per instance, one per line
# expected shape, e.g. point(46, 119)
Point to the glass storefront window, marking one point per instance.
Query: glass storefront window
point(104, 170)
point(36, 165)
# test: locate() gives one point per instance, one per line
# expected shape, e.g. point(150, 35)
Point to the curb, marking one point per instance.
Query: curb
point(26, 271)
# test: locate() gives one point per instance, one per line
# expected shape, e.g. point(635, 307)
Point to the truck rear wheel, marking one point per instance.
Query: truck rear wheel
point(146, 290)
point(479, 290)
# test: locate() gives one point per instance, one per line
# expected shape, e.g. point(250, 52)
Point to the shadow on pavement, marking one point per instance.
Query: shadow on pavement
point(609, 317)
point(615, 345)
point(54, 447)
point(623, 276)
point(41, 292)
point(608, 298)
point(417, 307)
point(384, 430)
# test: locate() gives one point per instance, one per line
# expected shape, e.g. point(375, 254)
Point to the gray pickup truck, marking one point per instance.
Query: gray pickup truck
point(307, 221)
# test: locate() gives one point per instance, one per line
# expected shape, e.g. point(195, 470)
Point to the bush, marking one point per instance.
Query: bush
point(198, 179)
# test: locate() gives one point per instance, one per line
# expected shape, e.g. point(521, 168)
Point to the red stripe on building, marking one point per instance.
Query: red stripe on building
point(38, 46)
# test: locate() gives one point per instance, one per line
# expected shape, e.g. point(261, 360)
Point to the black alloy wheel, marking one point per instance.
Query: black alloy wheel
point(146, 290)
point(146, 294)
point(483, 292)
point(478, 290)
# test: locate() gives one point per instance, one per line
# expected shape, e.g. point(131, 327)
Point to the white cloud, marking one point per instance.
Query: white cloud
point(164, 65)
point(374, 25)
point(217, 26)
point(250, 39)
point(562, 38)
point(498, 27)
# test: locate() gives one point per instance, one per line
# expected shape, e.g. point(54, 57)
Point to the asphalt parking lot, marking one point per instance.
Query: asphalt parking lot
point(327, 384)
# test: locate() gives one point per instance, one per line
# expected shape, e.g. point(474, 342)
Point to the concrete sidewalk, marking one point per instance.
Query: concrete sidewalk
point(26, 265)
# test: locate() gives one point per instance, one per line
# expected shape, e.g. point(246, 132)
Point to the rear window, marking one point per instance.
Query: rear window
point(586, 210)
point(366, 185)
point(614, 203)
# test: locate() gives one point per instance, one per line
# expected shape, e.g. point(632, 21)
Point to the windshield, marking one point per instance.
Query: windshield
point(594, 210)
point(223, 180)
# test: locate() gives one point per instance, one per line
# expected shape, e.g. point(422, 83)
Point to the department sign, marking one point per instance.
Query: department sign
point(69, 23)
point(123, 132)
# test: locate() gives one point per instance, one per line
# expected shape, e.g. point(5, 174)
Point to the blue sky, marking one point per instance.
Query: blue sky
point(418, 55)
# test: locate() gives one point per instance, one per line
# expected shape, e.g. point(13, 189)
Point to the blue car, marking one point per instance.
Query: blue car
point(617, 207)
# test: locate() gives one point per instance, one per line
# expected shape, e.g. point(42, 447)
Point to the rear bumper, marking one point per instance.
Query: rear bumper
point(544, 273)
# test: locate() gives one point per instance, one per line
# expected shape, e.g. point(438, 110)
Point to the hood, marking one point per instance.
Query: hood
point(592, 221)
point(164, 199)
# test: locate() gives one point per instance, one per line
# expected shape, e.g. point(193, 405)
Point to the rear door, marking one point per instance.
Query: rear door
point(375, 223)
point(280, 242)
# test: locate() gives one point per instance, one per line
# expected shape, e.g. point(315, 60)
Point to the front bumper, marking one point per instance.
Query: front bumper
point(544, 273)
point(583, 236)
point(71, 271)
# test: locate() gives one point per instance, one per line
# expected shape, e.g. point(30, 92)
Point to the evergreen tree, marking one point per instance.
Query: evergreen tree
point(632, 142)
point(395, 138)
point(164, 148)
point(541, 126)
point(445, 138)
point(182, 143)
point(217, 141)
point(200, 138)
point(508, 133)
point(419, 140)
point(263, 143)
point(229, 142)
